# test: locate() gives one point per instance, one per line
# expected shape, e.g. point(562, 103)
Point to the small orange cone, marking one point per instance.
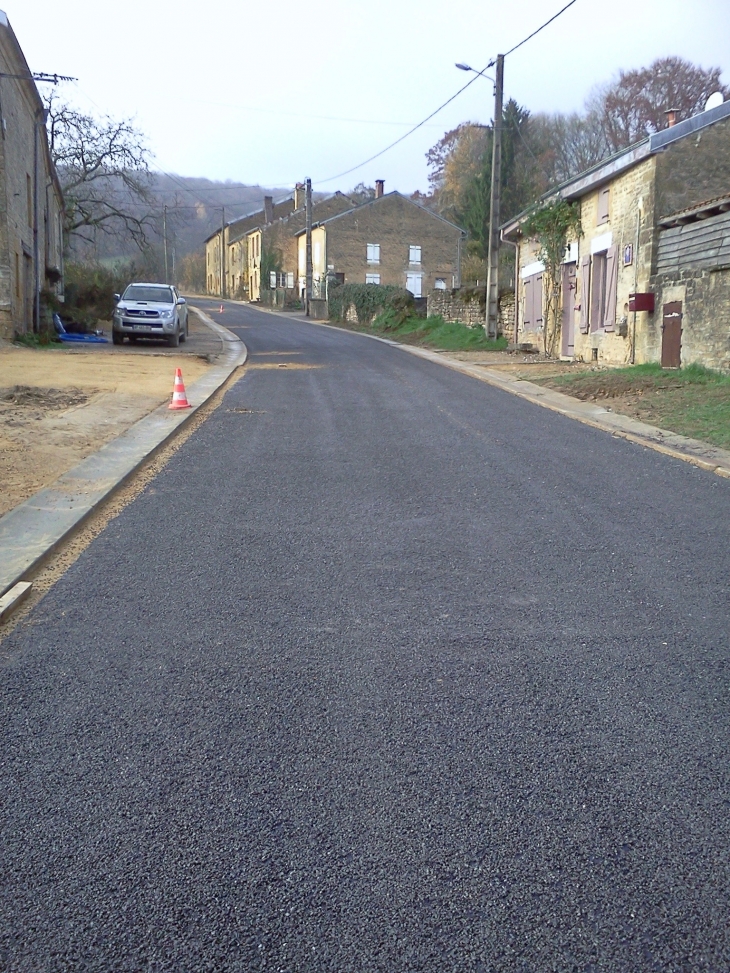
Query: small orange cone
point(220, 309)
point(179, 399)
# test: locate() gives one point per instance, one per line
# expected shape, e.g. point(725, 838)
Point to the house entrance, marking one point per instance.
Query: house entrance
point(567, 324)
point(672, 335)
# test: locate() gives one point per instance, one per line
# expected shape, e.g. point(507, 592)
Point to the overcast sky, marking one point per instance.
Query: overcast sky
point(272, 92)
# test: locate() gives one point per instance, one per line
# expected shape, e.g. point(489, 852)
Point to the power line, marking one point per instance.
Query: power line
point(409, 132)
point(448, 102)
point(530, 36)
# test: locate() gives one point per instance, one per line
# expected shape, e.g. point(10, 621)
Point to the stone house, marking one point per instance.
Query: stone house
point(279, 240)
point(389, 240)
point(31, 201)
point(232, 280)
point(631, 206)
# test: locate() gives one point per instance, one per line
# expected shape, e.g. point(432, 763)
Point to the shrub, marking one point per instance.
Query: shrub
point(369, 300)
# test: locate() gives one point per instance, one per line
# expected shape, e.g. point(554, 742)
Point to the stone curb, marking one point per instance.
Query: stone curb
point(33, 529)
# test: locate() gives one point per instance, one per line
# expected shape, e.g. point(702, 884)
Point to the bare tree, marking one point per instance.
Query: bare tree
point(634, 105)
point(104, 172)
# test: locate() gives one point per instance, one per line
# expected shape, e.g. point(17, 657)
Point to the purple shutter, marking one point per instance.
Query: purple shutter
point(527, 315)
point(603, 197)
point(585, 292)
point(609, 312)
point(537, 298)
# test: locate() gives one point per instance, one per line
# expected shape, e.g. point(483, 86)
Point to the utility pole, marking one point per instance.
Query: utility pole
point(164, 234)
point(492, 302)
point(223, 251)
point(310, 275)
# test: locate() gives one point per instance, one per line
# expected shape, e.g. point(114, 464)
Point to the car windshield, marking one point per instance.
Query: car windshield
point(144, 292)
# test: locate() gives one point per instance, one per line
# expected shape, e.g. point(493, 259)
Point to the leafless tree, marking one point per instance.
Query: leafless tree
point(103, 166)
point(634, 105)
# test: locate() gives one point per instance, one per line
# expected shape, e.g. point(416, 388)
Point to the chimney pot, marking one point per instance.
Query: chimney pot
point(671, 114)
point(268, 209)
point(379, 188)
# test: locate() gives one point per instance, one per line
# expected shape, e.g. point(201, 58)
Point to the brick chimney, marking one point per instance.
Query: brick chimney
point(671, 114)
point(379, 188)
point(299, 195)
point(268, 209)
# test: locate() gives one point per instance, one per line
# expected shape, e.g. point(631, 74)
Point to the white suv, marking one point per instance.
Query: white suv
point(150, 311)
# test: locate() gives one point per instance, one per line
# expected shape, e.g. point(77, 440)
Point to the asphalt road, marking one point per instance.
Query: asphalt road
point(386, 671)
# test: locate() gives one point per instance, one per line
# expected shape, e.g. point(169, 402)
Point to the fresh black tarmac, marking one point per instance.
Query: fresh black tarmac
point(389, 671)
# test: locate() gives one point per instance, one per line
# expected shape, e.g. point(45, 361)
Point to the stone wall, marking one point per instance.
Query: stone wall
point(452, 306)
point(705, 297)
point(20, 108)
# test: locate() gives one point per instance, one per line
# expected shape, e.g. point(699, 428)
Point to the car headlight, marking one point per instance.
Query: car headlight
point(167, 315)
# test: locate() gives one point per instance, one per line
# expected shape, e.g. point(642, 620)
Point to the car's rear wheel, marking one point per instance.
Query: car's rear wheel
point(117, 339)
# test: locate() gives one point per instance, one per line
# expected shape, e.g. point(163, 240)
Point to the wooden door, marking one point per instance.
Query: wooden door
point(567, 324)
point(672, 335)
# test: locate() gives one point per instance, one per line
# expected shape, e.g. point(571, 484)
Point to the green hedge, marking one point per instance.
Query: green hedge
point(369, 300)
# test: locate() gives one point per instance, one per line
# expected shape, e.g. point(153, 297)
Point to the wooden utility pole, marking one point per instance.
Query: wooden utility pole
point(492, 302)
point(310, 275)
point(164, 235)
point(223, 251)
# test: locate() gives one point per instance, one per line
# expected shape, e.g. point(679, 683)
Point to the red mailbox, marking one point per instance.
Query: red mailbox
point(641, 302)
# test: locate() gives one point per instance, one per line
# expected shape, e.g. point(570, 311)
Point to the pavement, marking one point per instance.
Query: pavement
point(384, 671)
point(33, 529)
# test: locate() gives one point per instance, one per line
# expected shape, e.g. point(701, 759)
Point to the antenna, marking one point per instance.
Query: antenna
point(715, 100)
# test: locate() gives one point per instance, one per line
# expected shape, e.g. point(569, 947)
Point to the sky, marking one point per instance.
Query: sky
point(271, 93)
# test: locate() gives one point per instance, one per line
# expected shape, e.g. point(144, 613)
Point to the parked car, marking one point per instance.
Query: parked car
point(150, 311)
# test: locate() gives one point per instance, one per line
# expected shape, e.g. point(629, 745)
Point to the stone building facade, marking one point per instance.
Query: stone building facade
point(31, 201)
point(389, 240)
point(624, 203)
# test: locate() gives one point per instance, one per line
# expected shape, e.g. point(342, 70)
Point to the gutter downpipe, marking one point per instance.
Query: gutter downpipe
point(517, 282)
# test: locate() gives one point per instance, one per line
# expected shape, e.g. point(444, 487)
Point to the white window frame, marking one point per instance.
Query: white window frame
point(414, 254)
point(372, 253)
point(440, 284)
point(372, 278)
point(419, 278)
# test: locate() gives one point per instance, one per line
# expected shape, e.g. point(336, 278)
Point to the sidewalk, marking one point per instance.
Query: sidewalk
point(31, 531)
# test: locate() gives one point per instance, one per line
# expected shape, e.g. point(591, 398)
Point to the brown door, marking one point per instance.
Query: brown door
point(672, 335)
point(567, 324)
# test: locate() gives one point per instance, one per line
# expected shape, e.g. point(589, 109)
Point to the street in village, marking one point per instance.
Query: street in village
point(386, 669)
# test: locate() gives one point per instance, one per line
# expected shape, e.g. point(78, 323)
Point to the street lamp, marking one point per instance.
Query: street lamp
point(492, 295)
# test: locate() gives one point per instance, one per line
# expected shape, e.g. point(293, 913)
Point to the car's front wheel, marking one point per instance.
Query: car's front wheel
point(117, 338)
point(173, 340)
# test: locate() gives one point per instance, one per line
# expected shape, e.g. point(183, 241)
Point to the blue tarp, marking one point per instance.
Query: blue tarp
point(88, 339)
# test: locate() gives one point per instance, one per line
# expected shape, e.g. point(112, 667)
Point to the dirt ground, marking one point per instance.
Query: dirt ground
point(58, 406)
point(529, 368)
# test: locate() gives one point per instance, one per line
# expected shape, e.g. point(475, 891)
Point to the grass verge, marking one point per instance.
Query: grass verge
point(431, 332)
point(692, 401)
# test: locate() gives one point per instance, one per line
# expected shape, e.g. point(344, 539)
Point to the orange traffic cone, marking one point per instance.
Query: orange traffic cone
point(220, 309)
point(179, 399)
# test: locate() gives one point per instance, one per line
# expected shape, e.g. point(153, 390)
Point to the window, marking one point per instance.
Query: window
point(599, 282)
point(272, 279)
point(373, 254)
point(414, 255)
point(603, 195)
point(413, 284)
point(440, 284)
point(372, 278)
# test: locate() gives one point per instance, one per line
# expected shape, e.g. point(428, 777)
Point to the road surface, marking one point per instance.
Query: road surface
point(387, 670)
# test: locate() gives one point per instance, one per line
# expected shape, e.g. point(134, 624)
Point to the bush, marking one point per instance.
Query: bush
point(369, 300)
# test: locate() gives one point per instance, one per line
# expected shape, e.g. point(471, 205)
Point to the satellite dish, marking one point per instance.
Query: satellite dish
point(714, 101)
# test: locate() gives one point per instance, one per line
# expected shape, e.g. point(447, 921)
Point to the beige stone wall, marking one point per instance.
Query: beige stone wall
point(452, 306)
point(705, 297)
point(631, 199)
point(394, 223)
point(23, 192)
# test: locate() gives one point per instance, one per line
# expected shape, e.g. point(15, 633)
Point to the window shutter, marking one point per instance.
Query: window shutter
point(527, 315)
point(537, 300)
point(609, 313)
point(603, 197)
point(585, 291)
